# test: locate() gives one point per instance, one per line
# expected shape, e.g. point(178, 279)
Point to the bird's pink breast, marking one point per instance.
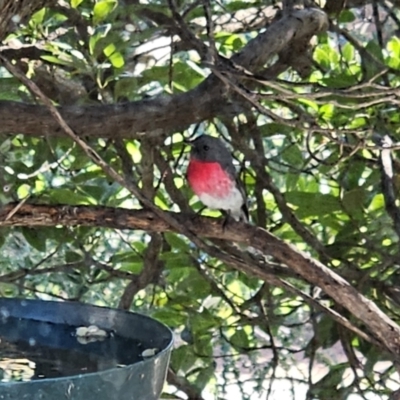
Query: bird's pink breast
point(209, 178)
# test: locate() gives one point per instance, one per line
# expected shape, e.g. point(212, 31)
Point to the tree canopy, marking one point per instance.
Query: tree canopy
point(97, 99)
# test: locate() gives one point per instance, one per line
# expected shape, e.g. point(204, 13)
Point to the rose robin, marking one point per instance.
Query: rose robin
point(213, 177)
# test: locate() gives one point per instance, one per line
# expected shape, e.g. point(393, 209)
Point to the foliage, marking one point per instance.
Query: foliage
point(319, 136)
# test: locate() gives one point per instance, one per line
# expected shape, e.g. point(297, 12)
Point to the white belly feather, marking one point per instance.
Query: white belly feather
point(232, 202)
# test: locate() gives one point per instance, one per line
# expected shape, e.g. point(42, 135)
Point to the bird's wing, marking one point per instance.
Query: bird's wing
point(230, 168)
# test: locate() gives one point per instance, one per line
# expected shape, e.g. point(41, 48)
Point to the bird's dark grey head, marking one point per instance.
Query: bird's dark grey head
point(210, 149)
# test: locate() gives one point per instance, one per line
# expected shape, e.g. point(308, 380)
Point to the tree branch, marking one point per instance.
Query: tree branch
point(150, 273)
point(163, 114)
point(383, 328)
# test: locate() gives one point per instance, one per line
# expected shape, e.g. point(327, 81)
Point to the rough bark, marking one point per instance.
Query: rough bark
point(377, 323)
point(164, 114)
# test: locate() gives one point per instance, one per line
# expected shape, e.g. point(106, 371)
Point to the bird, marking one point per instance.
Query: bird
point(213, 177)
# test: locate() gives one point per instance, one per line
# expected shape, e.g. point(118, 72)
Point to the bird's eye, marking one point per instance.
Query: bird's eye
point(205, 147)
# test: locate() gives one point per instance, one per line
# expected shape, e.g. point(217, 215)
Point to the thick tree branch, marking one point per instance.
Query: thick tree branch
point(184, 385)
point(163, 114)
point(150, 273)
point(383, 328)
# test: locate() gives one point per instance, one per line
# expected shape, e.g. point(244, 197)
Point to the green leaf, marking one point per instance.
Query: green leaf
point(158, 74)
point(237, 5)
point(177, 273)
point(353, 202)
point(55, 60)
point(202, 322)
point(125, 88)
point(327, 387)
point(73, 256)
point(126, 256)
point(75, 3)
point(377, 203)
point(102, 9)
point(340, 81)
point(35, 238)
point(372, 68)
point(234, 42)
point(67, 196)
point(204, 376)
point(291, 180)
point(346, 16)
point(9, 89)
point(372, 356)
point(240, 339)
point(117, 60)
point(133, 267)
point(169, 317)
point(37, 17)
point(393, 46)
point(313, 204)
point(203, 344)
point(346, 237)
point(177, 261)
point(293, 156)
point(177, 241)
point(273, 128)
point(348, 52)
point(183, 359)
point(194, 284)
point(326, 56)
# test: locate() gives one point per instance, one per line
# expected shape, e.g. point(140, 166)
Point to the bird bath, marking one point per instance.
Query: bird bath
point(43, 354)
